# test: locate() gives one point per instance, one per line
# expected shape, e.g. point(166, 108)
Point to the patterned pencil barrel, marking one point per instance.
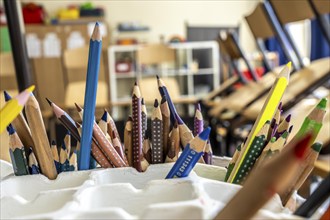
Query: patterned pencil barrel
point(190, 156)
point(233, 161)
point(144, 116)
point(174, 145)
point(185, 133)
point(137, 128)
point(157, 135)
point(17, 153)
point(252, 154)
point(118, 147)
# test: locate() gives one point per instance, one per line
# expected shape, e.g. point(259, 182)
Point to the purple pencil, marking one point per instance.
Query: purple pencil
point(198, 120)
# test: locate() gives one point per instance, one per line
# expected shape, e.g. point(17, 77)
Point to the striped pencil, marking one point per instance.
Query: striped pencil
point(174, 145)
point(94, 57)
point(33, 163)
point(17, 153)
point(65, 120)
point(157, 135)
point(55, 156)
point(128, 140)
point(255, 150)
point(146, 148)
point(302, 174)
point(262, 184)
point(13, 107)
point(144, 116)
point(190, 155)
point(164, 93)
point(166, 124)
point(97, 153)
point(106, 147)
point(283, 126)
point(22, 128)
point(137, 127)
point(40, 140)
point(267, 112)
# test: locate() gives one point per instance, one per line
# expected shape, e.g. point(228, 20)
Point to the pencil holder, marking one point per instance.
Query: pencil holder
point(123, 193)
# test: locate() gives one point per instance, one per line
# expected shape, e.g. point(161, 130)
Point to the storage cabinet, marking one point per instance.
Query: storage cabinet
point(194, 78)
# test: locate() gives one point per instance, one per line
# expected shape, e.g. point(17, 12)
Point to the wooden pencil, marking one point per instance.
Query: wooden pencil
point(313, 122)
point(40, 140)
point(208, 153)
point(96, 151)
point(56, 156)
point(146, 148)
point(185, 133)
point(13, 107)
point(114, 134)
point(190, 155)
point(144, 116)
point(137, 127)
point(128, 140)
point(262, 184)
point(275, 122)
point(103, 123)
point(65, 119)
point(266, 114)
point(255, 150)
point(198, 120)
point(67, 142)
point(117, 145)
point(174, 145)
point(93, 66)
point(283, 126)
point(164, 93)
point(22, 128)
point(166, 124)
point(17, 153)
point(106, 147)
point(157, 135)
point(73, 161)
point(64, 159)
point(33, 163)
point(233, 161)
point(301, 175)
point(273, 147)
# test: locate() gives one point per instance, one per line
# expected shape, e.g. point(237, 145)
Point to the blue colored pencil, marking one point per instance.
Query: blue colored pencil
point(33, 163)
point(93, 67)
point(190, 156)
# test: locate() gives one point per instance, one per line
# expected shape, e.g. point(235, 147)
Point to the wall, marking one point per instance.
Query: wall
point(168, 17)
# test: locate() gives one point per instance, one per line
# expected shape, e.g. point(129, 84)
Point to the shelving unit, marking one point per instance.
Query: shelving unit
point(194, 83)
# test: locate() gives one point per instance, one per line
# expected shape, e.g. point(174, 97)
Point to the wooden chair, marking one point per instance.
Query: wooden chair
point(251, 91)
point(75, 65)
point(321, 9)
point(302, 82)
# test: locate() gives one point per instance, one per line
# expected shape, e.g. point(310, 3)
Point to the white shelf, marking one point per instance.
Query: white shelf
point(186, 73)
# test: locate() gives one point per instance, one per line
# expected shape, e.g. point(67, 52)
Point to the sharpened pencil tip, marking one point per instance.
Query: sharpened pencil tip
point(156, 103)
point(279, 106)
point(6, 95)
point(290, 128)
point(63, 146)
point(96, 35)
point(198, 106)
point(49, 102)
point(53, 142)
point(163, 100)
point(178, 119)
point(317, 146)
point(285, 135)
point(30, 89)
point(10, 129)
point(204, 135)
point(78, 125)
point(288, 118)
point(157, 76)
point(104, 116)
point(322, 104)
point(289, 64)
point(97, 23)
point(78, 107)
point(142, 101)
point(135, 84)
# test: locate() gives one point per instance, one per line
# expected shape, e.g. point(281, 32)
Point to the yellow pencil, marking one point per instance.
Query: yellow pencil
point(267, 112)
point(13, 107)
